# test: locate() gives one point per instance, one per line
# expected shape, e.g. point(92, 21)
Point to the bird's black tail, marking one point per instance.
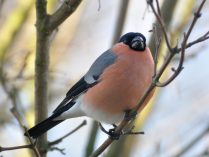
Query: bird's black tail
point(43, 127)
point(50, 122)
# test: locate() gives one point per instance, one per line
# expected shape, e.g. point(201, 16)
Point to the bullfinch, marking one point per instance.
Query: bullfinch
point(113, 85)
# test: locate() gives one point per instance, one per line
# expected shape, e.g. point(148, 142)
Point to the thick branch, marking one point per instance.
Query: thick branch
point(45, 26)
point(41, 11)
point(64, 11)
point(41, 69)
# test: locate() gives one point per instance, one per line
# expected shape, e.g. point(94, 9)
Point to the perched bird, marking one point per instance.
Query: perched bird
point(113, 85)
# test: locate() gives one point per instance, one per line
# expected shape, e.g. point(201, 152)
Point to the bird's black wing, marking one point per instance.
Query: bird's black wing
point(80, 87)
point(90, 79)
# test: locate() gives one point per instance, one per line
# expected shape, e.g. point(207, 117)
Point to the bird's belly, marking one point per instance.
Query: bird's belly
point(101, 115)
point(120, 87)
point(110, 98)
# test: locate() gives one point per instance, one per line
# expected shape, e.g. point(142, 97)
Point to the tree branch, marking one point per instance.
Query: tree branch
point(157, 43)
point(15, 113)
point(45, 26)
point(50, 145)
point(41, 69)
point(198, 40)
point(183, 48)
point(1, 5)
point(32, 144)
point(41, 11)
point(68, 134)
point(14, 148)
point(161, 22)
point(63, 12)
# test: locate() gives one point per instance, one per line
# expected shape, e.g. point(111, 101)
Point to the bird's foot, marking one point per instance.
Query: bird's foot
point(115, 135)
point(112, 134)
point(130, 115)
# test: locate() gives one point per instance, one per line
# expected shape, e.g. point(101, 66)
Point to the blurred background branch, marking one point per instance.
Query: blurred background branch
point(170, 124)
point(57, 141)
point(192, 143)
point(12, 94)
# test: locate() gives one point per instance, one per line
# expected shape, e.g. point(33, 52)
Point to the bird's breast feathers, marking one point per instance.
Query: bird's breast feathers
point(122, 84)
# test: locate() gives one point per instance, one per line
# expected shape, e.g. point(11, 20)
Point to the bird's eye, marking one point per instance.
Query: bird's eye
point(138, 44)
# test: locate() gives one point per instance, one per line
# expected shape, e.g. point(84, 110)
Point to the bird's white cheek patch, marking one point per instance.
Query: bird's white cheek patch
point(101, 116)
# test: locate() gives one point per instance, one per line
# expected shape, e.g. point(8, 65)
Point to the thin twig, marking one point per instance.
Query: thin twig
point(198, 40)
point(183, 48)
point(61, 150)
point(159, 19)
point(158, 40)
point(16, 114)
point(50, 145)
point(99, 5)
point(68, 134)
point(33, 144)
point(158, 8)
point(23, 66)
point(15, 147)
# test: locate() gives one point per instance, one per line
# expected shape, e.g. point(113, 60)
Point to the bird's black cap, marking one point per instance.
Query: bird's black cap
point(134, 40)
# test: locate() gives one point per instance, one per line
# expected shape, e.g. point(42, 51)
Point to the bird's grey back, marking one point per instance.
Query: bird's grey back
point(102, 62)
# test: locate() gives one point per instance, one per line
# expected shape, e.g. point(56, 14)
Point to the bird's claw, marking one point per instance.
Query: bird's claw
point(115, 135)
point(112, 134)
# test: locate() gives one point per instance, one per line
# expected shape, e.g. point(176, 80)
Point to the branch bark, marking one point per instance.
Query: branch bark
point(45, 26)
point(62, 13)
point(41, 70)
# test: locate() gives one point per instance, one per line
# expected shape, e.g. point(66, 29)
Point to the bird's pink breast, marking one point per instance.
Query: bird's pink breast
point(123, 83)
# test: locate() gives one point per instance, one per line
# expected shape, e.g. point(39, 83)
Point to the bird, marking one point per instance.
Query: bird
point(113, 85)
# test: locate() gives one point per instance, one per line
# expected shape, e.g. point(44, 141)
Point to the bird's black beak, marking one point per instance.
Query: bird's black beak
point(138, 44)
